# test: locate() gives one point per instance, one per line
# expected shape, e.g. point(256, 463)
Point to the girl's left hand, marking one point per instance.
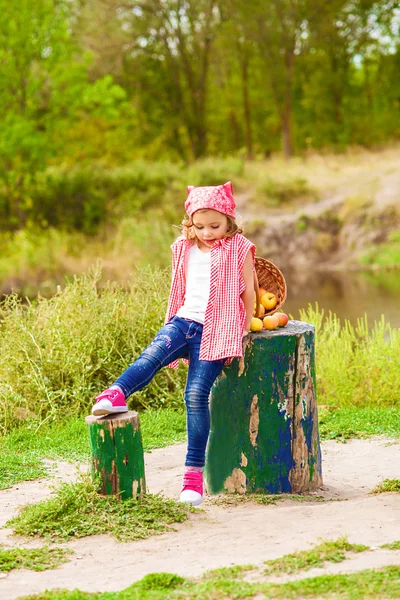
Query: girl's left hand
point(245, 333)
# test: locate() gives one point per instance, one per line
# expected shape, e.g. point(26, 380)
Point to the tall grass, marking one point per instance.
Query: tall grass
point(356, 365)
point(56, 354)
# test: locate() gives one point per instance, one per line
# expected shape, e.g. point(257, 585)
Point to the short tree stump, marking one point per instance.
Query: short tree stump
point(117, 451)
point(264, 423)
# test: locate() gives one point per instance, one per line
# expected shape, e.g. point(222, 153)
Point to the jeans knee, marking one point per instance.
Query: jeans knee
point(196, 399)
point(152, 357)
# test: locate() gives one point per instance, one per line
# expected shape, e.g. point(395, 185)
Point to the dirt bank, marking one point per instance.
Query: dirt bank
point(332, 232)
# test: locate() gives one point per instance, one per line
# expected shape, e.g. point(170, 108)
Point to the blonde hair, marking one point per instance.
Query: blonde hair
point(188, 232)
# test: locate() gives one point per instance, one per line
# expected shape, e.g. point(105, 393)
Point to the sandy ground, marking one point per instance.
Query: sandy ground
point(223, 534)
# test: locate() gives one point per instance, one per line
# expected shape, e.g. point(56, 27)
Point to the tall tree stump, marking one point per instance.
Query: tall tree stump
point(264, 424)
point(117, 451)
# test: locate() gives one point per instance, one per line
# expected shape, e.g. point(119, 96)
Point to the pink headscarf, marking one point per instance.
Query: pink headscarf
point(214, 197)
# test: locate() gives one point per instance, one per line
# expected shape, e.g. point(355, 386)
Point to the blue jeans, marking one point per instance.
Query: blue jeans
point(179, 338)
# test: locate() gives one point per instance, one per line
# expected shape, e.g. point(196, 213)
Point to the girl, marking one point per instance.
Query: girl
point(209, 311)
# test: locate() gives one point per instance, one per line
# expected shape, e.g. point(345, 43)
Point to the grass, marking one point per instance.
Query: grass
point(56, 354)
point(23, 449)
point(236, 499)
point(357, 366)
point(227, 585)
point(77, 510)
point(387, 485)
point(392, 545)
point(358, 422)
point(36, 559)
point(327, 551)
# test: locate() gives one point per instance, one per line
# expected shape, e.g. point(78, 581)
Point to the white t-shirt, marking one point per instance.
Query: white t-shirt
point(197, 285)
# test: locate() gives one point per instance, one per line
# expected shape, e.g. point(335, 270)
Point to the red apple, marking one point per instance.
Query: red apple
point(282, 319)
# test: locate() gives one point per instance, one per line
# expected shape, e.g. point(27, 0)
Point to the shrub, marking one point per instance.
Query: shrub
point(56, 354)
point(275, 192)
point(84, 198)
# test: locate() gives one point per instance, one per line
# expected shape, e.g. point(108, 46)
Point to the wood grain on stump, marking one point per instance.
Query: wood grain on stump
point(264, 424)
point(117, 451)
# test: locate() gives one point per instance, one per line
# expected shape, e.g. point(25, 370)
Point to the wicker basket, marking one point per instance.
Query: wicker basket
point(269, 277)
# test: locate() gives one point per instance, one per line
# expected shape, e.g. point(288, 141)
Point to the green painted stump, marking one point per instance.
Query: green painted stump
point(264, 425)
point(117, 451)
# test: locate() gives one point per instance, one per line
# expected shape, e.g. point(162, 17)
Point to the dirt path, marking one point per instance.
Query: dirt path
point(224, 534)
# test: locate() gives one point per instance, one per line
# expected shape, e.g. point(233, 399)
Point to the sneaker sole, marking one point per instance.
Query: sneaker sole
point(193, 498)
point(103, 412)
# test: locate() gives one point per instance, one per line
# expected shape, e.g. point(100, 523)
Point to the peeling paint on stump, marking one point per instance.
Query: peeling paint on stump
point(264, 427)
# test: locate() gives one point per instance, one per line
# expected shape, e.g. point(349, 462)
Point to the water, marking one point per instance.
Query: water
point(349, 295)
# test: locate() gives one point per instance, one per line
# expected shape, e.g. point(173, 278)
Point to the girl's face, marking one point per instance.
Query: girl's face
point(209, 226)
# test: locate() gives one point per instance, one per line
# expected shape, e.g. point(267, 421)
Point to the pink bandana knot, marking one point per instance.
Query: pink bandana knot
point(213, 197)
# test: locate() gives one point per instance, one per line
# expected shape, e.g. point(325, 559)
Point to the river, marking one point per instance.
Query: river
point(349, 295)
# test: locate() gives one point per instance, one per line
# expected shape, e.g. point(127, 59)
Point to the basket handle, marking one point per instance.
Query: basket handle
point(257, 291)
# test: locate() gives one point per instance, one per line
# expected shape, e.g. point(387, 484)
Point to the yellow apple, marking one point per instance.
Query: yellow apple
point(270, 322)
point(269, 300)
point(256, 324)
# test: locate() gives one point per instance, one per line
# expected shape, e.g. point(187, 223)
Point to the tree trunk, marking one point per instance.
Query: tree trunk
point(264, 425)
point(117, 450)
point(246, 103)
point(287, 133)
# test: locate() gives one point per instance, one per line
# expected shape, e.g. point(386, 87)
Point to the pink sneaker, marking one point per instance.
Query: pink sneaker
point(109, 402)
point(192, 489)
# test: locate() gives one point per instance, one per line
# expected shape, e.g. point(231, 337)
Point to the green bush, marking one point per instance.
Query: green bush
point(386, 254)
point(276, 192)
point(214, 171)
point(56, 354)
point(84, 198)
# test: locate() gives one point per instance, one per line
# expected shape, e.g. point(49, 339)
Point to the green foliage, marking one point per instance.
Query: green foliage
point(78, 510)
point(357, 422)
point(160, 581)
point(23, 466)
point(387, 485)
point(214, 171)
point(392, 546)
point(384, 255)
point(23, 449)
point(85, 198)
point(36, 559)
point(226, 584)
point(57, 354)
point(327, 551)
point(275, 192)
point(356, 366)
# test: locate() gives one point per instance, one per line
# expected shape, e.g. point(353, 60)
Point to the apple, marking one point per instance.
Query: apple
point(261, 292)
point(271, 322)
point(269, 300)
point(261, 311)
point(256, 324)
point(282, 319)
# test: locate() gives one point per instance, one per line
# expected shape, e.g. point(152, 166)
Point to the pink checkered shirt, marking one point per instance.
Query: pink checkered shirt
point(225, 314)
